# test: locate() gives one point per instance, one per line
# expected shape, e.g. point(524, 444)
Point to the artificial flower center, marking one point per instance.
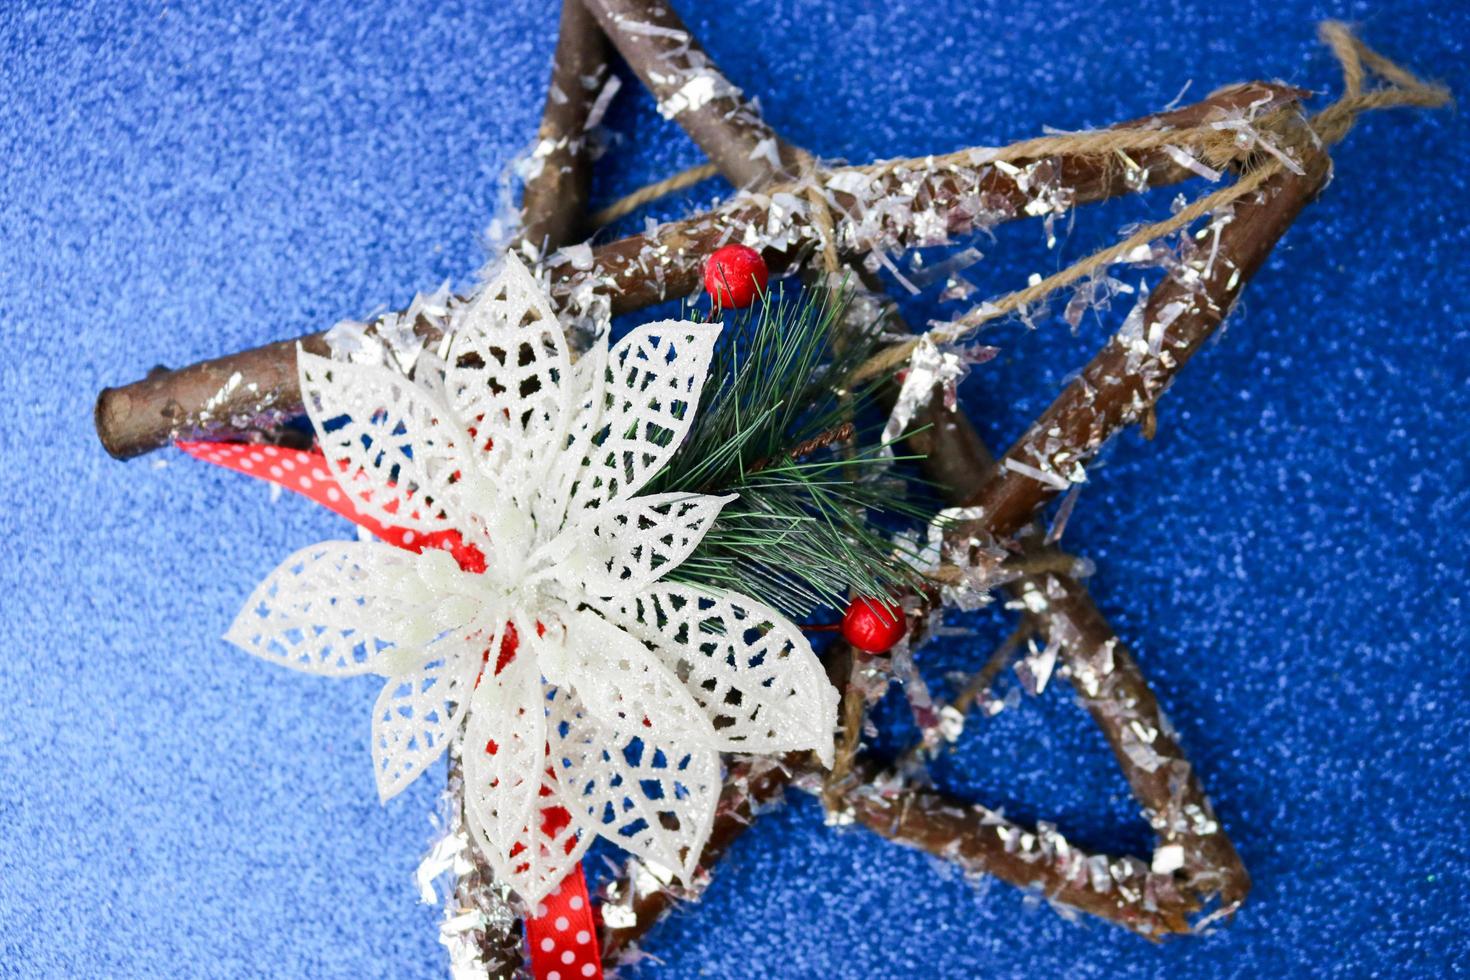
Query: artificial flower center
point(529, 563)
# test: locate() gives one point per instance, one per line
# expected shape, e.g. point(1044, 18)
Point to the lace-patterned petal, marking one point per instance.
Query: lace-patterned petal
point(625, 686)
point(507, 380)
point(656, 374)
point(655, 799)
point(333, 608)
point(391, 445)
point(644, 538)
point(512, 801)
point(419, 711)
point(746, 664)
point(588, 391)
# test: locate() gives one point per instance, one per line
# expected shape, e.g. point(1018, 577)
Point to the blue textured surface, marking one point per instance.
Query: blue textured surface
point(1287, 557)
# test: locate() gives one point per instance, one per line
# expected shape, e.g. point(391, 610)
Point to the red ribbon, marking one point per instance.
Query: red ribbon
point(563, 930)
point(563, 933)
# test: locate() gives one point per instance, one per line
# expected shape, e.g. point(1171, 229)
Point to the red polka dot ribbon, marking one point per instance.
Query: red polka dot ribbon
point(563, 932)
point(306, 473)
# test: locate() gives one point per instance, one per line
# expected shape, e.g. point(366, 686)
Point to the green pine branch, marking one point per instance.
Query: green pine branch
point(813, 516)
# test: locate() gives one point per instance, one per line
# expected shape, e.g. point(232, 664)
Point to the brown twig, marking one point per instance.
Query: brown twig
point(692, 91)
point(668, 261)
point(1195, 860)
point(1113, 690)
point(554, 200)
point(801, 450)
point(979, 684)
point(1121, 890)
point(233, 396)
point(1034, 561)
point(1194, 867)
point(736, 139)
point(1109, 684)
point(982, 842)
point(1120, 383)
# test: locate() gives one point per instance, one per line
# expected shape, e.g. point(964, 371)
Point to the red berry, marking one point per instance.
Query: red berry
point(735, 275)
point(873, 625)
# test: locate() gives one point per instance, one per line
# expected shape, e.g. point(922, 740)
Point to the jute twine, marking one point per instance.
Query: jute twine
point(652, 192)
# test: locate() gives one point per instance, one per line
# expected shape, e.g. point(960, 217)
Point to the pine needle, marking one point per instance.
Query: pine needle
point(805, 531)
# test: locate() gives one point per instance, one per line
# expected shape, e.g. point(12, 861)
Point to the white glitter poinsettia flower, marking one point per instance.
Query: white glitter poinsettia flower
point(623, 688)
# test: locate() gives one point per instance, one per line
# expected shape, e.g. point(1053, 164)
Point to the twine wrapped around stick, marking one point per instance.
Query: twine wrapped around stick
point(1215, 145)
point(1326, 127)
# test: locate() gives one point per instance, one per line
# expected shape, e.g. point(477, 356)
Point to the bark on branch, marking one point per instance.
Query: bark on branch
point(1195, 862)
point(1112, 688)
point(981, 841)
point(554, 201)
point(233, 396)
point(1109, 683)
point(692, 90)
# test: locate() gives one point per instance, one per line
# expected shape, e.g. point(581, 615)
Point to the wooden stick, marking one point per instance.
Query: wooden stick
point(1138, 365)
point(554, 201)
point(1205, 865)
point(691, 90)
point(231, 397)
point(981, 841)
point(1113, 690)
point(1124, 891)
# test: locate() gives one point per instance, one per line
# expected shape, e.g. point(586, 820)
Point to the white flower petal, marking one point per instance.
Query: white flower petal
point(335, 608)
point(392, 446)
point(589, 398)
point(419, 711)
point(750, 667)
point(626, 687)
point(638, 541)
point(656, 375)
point(507, 380)
point(655, 799)
point(512, 802)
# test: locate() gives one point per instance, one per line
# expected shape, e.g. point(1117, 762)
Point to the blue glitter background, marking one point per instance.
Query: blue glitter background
point(1287, 557)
